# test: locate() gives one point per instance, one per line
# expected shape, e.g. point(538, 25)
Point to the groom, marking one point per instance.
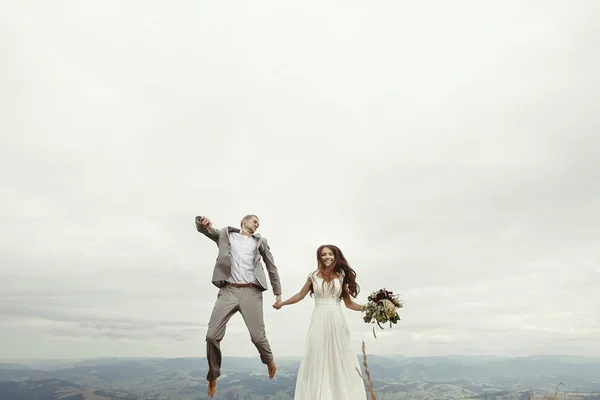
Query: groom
point(240, 277)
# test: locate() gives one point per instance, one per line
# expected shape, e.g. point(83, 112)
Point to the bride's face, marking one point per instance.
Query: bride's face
point(327, 256)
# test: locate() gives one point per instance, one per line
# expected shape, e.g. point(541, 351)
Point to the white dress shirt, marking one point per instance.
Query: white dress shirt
point(243, 249)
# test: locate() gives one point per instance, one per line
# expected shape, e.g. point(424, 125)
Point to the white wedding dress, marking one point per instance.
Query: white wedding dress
point(330, 367)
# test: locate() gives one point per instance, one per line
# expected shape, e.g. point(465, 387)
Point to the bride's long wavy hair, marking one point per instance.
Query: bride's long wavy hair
point(341, 268)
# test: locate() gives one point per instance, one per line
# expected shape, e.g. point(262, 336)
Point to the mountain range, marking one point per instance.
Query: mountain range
point(455, 377)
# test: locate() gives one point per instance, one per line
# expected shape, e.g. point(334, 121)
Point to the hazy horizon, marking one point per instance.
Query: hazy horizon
point(449, 149)
point(298, 358)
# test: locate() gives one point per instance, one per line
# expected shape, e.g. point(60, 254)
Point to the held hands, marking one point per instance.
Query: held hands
point(278, 303)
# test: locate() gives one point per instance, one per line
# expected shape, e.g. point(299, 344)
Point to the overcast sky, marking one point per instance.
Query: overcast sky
point(451, 149)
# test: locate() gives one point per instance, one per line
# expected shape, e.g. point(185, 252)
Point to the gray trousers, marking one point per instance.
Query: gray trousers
point(249, 302)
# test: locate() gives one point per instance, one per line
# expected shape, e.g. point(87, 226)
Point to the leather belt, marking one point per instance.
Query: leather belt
point(241, 284)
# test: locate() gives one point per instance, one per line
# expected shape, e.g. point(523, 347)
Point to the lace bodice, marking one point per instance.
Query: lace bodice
point(326, 290)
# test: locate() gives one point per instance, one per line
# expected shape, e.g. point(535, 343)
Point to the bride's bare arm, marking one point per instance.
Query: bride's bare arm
point(351, 304)
point(297, 297)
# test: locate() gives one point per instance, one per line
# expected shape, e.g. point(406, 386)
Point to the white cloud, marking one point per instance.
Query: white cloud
point(450, 151)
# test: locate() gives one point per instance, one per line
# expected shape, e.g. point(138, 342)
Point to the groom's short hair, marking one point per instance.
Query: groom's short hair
point(248, 216)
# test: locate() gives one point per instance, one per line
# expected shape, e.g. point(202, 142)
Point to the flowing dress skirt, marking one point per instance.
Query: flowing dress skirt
point(330, 368)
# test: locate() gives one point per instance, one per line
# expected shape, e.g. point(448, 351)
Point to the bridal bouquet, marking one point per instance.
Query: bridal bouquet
point(382, 307)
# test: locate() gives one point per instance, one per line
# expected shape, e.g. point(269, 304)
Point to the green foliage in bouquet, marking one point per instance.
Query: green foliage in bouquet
point(382, 307)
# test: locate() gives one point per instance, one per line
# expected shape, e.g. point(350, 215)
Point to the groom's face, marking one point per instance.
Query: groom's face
point(250, 224)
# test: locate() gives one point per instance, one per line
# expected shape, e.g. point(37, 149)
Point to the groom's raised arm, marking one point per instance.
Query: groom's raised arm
point(207, 230)
point(265, 251)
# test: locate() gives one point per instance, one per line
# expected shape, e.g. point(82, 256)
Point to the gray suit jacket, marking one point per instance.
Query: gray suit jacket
point(222, 269)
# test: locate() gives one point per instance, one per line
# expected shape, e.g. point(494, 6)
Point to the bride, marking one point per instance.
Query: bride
point(329, 369)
